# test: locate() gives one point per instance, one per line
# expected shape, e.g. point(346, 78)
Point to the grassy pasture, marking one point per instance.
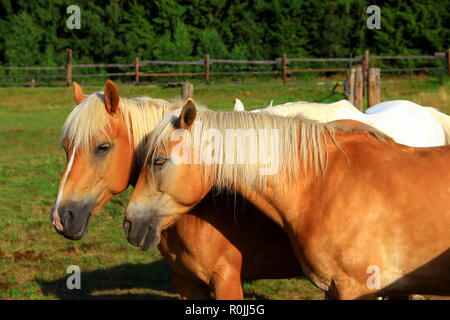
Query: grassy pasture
point(33, 258)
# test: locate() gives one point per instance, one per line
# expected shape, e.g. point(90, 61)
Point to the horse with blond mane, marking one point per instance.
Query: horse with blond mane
point(365, 216)
point(207, 250)
point(404, 121)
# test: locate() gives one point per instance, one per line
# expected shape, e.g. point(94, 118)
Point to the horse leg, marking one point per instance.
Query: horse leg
point(228, 285)
point(349, 290)
point(188, 288)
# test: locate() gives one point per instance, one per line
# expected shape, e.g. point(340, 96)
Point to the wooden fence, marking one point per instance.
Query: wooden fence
point(359, 85)
point(280, 68)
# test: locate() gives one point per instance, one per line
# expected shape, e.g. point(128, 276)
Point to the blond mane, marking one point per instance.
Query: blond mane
point(300, 141)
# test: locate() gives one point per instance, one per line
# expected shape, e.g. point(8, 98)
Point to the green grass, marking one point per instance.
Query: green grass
point(34, 259)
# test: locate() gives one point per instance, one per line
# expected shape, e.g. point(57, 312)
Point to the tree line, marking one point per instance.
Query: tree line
point(117, 31)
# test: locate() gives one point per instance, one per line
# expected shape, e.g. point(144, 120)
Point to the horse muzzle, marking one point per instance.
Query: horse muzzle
point(71, 219)
point(141, 228)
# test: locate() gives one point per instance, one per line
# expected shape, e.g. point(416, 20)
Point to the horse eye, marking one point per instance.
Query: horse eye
point(159, 162)
point(102, 148)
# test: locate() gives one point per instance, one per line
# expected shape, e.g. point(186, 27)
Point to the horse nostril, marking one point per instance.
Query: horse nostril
point(70, 214)
point(67, 216)
point(126, 226)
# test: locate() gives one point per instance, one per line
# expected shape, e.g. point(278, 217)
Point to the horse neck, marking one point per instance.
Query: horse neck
point(291, 200)
point(265, 202)
point(276, 201)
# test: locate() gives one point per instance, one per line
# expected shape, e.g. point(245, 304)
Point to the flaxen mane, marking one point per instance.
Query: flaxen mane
point(299, 141)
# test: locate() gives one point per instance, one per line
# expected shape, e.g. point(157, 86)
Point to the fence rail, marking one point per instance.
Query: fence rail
point(104, 65)
point(280, 67)
point(354, 59)
point(147, 62)
point(33, 68)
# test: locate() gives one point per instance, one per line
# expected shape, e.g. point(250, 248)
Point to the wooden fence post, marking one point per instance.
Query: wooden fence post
point(365, 64)
point(359, 84)
point(284, 67)
point(187, 90)
point(373, 92)
point(136, 71)
point(351, 85)
point(69, 67)
point(448, 62)
point(207, 64)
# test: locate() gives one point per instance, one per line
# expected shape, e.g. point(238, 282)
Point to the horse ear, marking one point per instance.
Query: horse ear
point(188, 114)
point(112, 97)
point(238, 105)
point(78, 93)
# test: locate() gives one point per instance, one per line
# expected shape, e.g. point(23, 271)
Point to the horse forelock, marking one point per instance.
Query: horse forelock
point(89, 120)
point(86, 122)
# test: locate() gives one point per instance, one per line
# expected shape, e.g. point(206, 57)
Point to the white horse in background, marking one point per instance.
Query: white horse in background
point(406, 122)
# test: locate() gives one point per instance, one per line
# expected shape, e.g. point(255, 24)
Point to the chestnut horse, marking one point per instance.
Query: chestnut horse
point(366, 217)
point(214, 248)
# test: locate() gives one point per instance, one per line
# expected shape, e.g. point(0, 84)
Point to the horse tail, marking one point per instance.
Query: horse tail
point(238, 105)
point(443, 119)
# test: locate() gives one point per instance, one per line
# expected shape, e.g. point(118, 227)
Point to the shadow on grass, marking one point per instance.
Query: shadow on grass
point(96, 284)
point(250, 294)
point(103, 284)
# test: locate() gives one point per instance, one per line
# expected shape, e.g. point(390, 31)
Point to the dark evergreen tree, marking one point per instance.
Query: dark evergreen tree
point(35, 32)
